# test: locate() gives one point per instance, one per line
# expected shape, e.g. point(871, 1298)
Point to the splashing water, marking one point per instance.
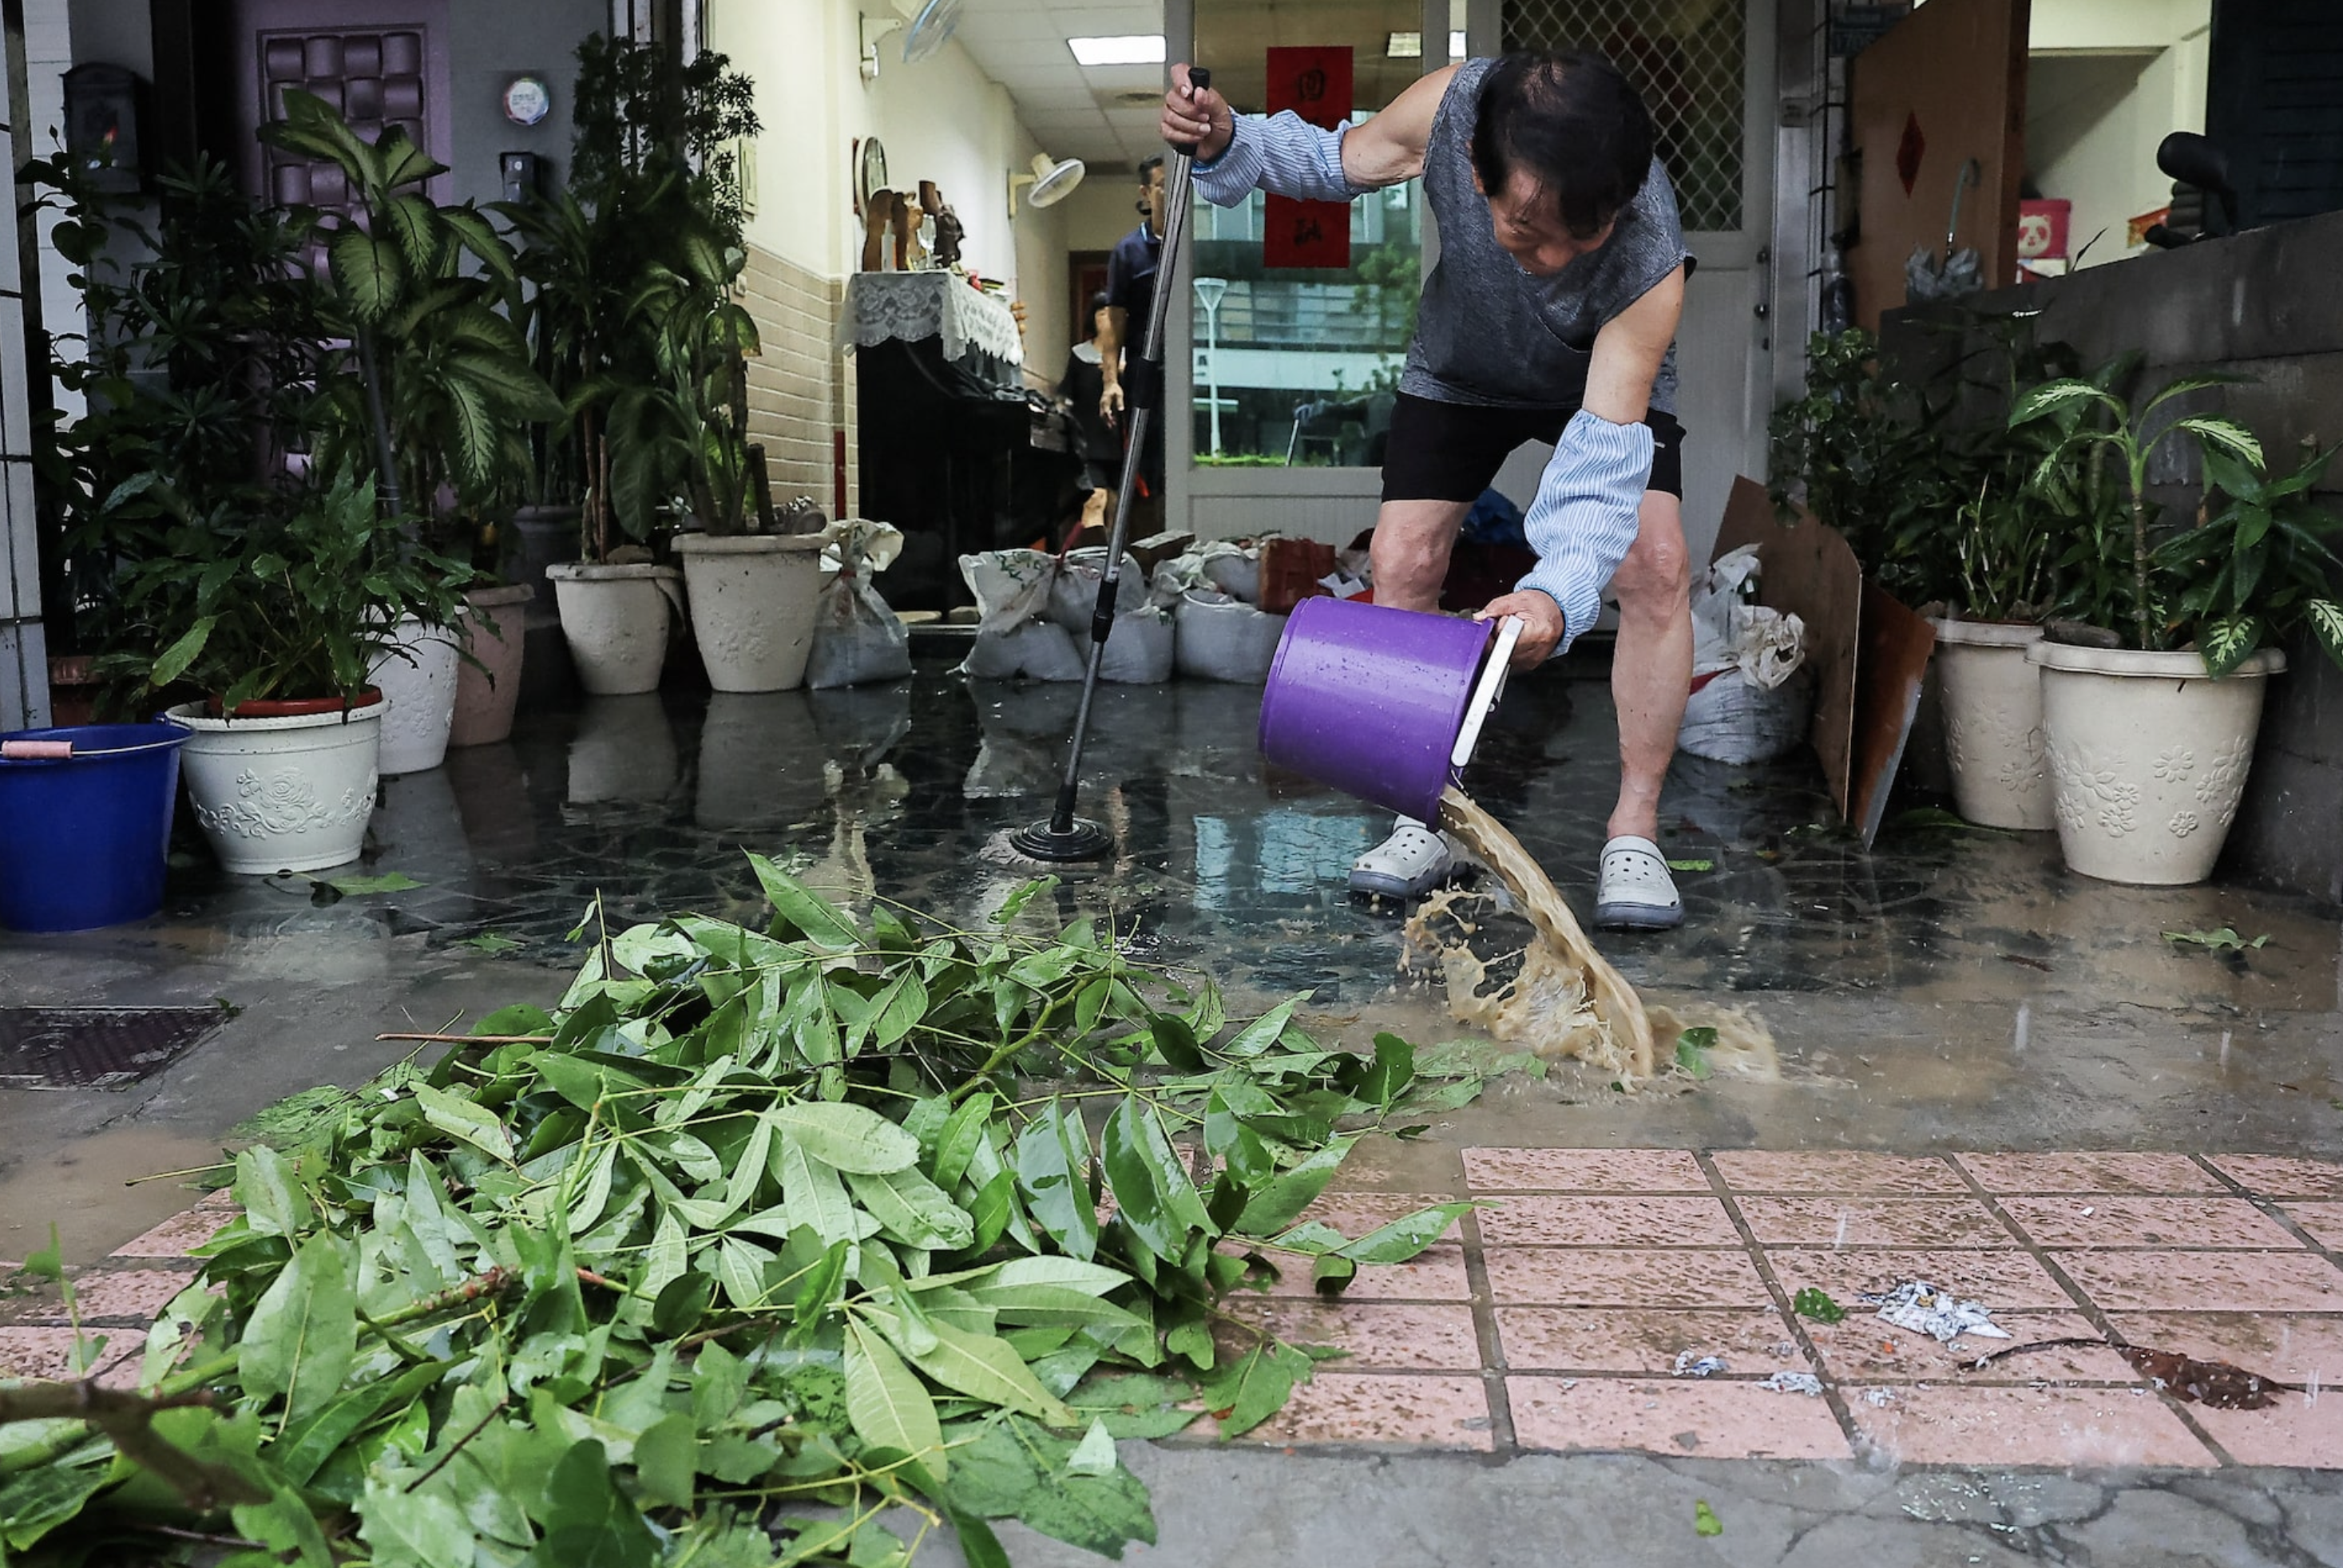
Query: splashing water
point(1565, 999)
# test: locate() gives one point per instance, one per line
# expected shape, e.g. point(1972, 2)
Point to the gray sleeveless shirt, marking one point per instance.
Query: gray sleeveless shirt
point(1488, 333)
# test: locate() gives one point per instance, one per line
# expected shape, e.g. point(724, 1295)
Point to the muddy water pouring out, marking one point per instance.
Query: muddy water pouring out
point(1565, 999)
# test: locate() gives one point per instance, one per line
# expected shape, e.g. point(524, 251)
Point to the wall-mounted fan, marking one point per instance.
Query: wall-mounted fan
point(1054, 180)
point(931, 29)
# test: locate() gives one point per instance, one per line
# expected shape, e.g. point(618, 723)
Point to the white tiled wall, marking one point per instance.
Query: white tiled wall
point(24, 650)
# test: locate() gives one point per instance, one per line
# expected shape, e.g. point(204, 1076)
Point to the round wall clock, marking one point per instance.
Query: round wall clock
point(528, 100)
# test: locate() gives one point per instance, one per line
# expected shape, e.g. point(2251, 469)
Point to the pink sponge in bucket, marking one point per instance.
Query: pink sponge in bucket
point(1374, 700)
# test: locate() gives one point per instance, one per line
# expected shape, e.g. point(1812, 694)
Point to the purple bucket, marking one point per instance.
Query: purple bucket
point(1370, 699)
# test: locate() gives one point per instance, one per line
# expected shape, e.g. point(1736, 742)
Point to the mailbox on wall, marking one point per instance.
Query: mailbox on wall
point(102, 113)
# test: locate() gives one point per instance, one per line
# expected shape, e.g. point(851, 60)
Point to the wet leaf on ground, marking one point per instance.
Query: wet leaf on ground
point(1818, 1305)
point(1704, 1521)
point(2225, 940)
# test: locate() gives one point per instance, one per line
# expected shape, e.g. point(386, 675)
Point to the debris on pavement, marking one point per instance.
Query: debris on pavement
point(1879, 1397)
point(1794, 1383)
point(2218, 1385)
point(1921, 1307)
point(1691, 1364)
point(1704, 1521)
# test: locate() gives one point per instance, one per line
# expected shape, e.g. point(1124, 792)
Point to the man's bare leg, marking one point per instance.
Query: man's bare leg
point(1410, 552)
point(1651, 666)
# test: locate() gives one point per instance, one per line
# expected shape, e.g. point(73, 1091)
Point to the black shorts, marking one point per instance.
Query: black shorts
point(1450, 451)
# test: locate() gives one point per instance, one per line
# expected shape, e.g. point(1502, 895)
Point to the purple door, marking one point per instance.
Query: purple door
point(382, 63)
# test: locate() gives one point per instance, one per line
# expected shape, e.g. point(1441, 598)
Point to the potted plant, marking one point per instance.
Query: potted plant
point(433, 392)
point(2150, 713)
point(2006, 576)
point(279, 612)
point(641, 261)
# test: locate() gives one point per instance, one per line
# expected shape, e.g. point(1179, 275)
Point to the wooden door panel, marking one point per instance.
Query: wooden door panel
point(1944, 85)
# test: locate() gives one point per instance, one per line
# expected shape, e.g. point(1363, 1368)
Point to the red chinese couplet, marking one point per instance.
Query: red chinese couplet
point(1315, 83)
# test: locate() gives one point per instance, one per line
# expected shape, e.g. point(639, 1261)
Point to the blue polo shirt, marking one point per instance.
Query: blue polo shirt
point(1131, 281)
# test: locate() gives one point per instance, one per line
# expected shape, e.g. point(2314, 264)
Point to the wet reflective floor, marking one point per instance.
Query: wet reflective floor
point(1949, 996)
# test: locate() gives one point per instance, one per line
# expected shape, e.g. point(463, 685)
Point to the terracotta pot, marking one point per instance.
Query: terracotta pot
point(1992, 723)
point(292, 706)
point(2149, 756)
point(73, 694)
point(487, 690)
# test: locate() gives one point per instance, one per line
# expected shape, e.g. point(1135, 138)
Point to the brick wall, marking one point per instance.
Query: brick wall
point(801, 388)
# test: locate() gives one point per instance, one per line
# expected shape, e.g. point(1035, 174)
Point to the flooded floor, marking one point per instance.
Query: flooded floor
point(1948, 998)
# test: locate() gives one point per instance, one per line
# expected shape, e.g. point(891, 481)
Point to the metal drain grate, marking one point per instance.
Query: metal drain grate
point(96, 1048)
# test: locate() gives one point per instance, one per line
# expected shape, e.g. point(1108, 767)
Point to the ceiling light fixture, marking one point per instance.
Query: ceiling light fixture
point(1123, 49)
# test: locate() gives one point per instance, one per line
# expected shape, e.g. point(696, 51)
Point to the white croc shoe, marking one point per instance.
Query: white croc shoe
point(1635, 892)
point(1410, 863)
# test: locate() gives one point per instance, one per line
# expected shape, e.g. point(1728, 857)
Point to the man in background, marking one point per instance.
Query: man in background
point(1131, 272)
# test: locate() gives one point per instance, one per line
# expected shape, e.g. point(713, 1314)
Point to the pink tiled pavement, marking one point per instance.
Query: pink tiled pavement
point(1431, 1412)
point(1945, 1423)
point(2097, 1219)
point(1590, 1270)
point(1533, 1220)
point(1874, 1223)
point(1835, 1171)
point(2207, 1282)
point(1583, 1171)
point(2274, 1176)
point(1645, 1340)
point(2005, 1279)
point(1711, 1419)
point(2149, 1173)
point(1595, 1277)
point(2322, 1222)
point(1379, 1336)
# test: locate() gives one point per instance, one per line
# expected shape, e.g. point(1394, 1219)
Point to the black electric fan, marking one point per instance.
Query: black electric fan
point(1064, 836)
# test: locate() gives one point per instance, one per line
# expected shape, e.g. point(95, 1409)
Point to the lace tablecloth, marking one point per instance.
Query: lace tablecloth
point(909, 306)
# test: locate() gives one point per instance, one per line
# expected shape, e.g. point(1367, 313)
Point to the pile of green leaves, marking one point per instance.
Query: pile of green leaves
point(763, 1241)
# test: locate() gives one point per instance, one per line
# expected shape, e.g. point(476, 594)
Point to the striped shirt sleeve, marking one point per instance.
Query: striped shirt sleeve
point(1282, 154)
point(1582, 520)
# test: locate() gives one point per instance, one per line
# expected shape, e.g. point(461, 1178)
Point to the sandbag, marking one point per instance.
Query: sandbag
point(1074, 589)
point(1140, 650)
point(1219, 639)
point(1731, 719)
point(1035, 650)
point(856, 638)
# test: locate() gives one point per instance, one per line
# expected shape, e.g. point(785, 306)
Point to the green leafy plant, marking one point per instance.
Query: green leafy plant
point(194, 359)
point(762, 1242)
point(298, 601)
point(2259, 568)
point(444, 388)
point(2092, 416)
point(1867, 453)
point(630, 307)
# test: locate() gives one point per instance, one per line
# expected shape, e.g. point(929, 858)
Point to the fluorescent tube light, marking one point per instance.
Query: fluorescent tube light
point(1125, 49)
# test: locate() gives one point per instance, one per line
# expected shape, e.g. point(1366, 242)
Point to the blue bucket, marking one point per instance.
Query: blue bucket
point(86, 825)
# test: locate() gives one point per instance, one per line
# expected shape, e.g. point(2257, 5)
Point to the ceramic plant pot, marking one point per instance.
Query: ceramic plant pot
point(288, 791)
point(488, 685)
point(1992, 723)
point(752, 606)
point(616, 620)
point(2149, 756)
point(543, 537)
point(418, 674)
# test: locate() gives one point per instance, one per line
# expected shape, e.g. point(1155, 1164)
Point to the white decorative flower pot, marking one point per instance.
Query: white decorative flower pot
point(418, 674)
point(2149, 756)
point(1992, 723)
point(287, 792)
point(753, 597)
point(616, 621)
